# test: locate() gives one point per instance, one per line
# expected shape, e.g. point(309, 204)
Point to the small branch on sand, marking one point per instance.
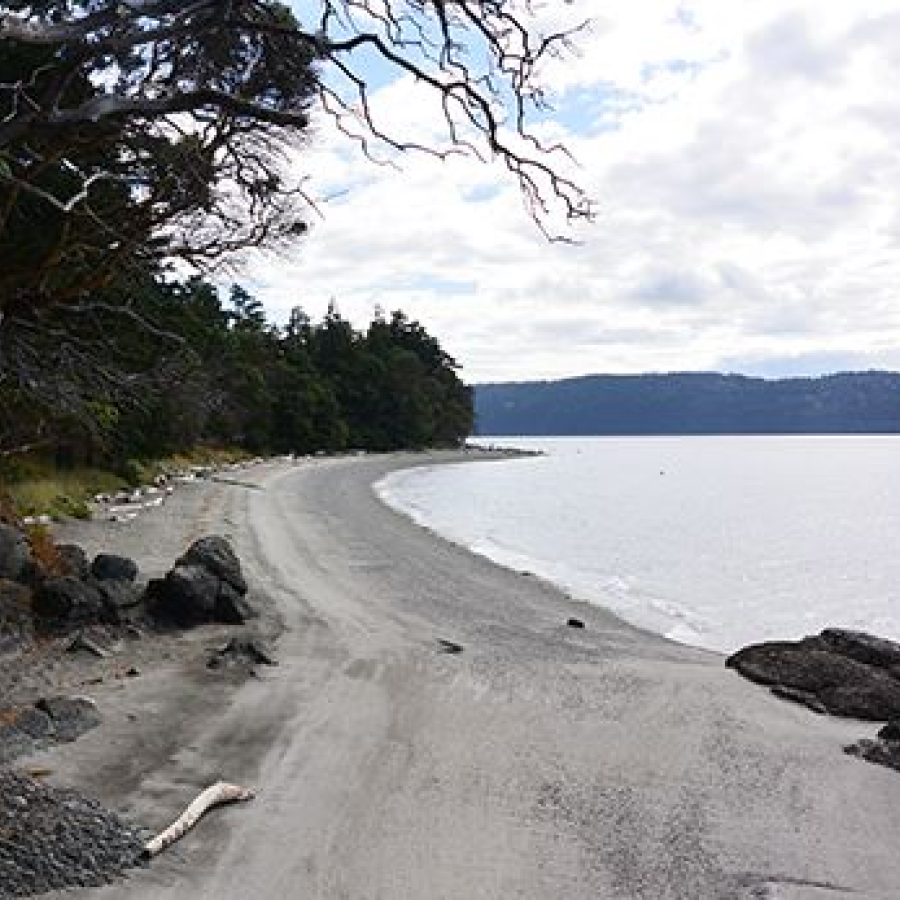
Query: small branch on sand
point(215, 795)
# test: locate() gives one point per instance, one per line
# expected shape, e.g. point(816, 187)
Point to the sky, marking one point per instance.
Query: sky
point(745, 163)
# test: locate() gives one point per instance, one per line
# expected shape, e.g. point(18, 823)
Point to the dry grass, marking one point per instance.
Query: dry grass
point(8, 514)
point(44, 550)
point(34, 486)
point(30, 485)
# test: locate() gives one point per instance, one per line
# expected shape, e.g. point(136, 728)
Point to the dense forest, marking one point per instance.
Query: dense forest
point(175, 366)
point(692, 403)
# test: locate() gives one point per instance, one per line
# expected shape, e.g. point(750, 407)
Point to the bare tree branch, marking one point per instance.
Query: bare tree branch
point(251, 61)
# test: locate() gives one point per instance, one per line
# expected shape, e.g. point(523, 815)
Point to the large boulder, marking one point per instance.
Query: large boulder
point(111, 567)
point(15, 553)
point(827, 672)
point(206, 585)
point(186, 596)
point(216, 555)
point(67, 601)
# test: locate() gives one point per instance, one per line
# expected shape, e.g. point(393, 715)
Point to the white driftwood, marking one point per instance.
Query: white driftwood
point(215, 795)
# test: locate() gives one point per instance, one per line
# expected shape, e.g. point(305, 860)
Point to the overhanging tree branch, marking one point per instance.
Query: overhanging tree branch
point(252, 61)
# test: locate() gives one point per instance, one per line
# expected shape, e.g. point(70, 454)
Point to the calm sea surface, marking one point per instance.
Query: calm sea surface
point(712, 541)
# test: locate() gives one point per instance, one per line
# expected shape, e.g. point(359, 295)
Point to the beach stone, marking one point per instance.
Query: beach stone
point(111, 567)
point(842, 685)
point(186, 596)
point(120, 598)
point(35, 723)
point(215, 554)
point(15, 553)
point(22, 726)
point(246, 650)
point(206, 584)
point(71, 716)
point(73, 561)
point(68, 600)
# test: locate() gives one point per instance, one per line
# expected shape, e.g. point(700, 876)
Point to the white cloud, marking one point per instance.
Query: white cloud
point(744, 160)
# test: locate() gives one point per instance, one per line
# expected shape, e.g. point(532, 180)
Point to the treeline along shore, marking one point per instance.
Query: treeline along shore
point(692, 403)
point(155, 367)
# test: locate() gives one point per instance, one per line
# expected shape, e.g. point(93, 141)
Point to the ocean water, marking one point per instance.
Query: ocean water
point(712, 541)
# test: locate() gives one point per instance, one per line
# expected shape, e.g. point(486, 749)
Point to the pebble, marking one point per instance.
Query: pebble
point(53, 838)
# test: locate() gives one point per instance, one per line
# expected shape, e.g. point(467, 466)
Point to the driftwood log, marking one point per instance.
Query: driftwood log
point(215, 795)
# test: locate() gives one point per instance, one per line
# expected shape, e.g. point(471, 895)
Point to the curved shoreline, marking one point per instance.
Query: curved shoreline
point(540, 761)
point(531, 567)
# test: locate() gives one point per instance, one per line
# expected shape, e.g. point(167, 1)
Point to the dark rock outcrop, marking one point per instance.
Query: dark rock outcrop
point(15, 554)
point(26, 729)
point(844, 673)
point(111, 567)
point(186, 596)
point(14, 598)
point(890, 732)
point(864, 648)
point(71, 716)
point(241, 651)
point(232, 606)
point(68, 601)
point(804, 698)
point(879, 751)
point(120, 598)
point(206, 585)
point(215, 554)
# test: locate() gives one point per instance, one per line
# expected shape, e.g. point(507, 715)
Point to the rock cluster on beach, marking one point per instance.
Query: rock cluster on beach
point(206, 584)
point(90, 609)
point(51, 839)
point(840, 672)
point(65, 591)
point(844, 673)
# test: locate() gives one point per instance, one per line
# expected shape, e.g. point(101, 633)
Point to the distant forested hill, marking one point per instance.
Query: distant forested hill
point(691, 403)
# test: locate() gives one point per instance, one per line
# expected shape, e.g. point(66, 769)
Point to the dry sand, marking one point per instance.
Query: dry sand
point(541, 762)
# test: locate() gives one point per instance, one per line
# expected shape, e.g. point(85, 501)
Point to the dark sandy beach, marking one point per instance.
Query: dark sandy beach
point(539, 762)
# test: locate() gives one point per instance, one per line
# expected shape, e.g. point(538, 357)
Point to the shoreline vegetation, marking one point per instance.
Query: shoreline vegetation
point(214, 372)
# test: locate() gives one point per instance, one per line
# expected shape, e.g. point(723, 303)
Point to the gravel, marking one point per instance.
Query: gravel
point(52, 838)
